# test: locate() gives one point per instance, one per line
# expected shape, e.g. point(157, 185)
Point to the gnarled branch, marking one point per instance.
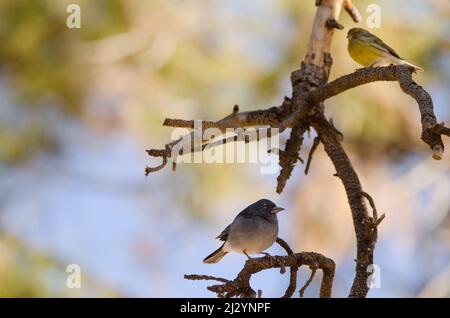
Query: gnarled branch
point(364, 245)
point(305, 110)
point(431, 131)
point(276, 117)
point(240, 286)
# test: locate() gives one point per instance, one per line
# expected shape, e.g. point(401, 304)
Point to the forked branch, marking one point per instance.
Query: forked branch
point(240, 286)
point(303, 111)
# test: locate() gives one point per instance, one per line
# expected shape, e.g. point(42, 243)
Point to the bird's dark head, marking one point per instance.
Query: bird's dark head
point(267, 207)
point(354, 33)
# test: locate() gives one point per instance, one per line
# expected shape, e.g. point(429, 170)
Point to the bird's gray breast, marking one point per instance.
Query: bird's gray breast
point(253, 234)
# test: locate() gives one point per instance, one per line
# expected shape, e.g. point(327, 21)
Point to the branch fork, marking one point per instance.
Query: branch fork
point(240, 286)
point(306, 110)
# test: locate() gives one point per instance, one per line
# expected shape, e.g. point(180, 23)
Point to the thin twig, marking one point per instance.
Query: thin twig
point(372, 205)
point(206, 277)
point(333, 24)
point(314, 146)
point(378, 221)
point(308, 282)
point(352, 11)
point(163, 153)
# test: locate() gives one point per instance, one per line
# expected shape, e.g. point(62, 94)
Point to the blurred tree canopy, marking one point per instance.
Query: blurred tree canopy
point(194, 57)
point(25, 272)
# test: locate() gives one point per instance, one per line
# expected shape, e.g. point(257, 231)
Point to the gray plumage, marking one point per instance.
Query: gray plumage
point(253, 231)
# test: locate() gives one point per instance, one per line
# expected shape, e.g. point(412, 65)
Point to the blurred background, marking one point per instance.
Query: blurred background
point(78, 108)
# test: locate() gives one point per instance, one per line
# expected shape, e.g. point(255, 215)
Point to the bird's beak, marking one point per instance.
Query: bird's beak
point(348, 36)
point(276, 209)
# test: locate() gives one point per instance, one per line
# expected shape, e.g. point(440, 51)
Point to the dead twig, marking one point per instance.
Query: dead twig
point(240, 286)
point(308, 282)
point(372, 205)
point(352, 11)
point(314, 146)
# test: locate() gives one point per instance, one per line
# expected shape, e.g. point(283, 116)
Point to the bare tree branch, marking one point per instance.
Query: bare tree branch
point(352, 11)
point(365, 246)
point(275, 117)
point(431, 131)
point(288, 161)
point(266, 117)
point(304, 110)
point(240, 286)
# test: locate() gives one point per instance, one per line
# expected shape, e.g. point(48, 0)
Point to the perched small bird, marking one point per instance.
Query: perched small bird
point(253, 231)
point(369, 50)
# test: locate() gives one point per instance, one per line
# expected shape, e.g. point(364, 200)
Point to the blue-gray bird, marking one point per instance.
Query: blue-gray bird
point(253, 231)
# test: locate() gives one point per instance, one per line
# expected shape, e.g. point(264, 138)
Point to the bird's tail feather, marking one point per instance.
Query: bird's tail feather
point(416, 68)
point(215, 256)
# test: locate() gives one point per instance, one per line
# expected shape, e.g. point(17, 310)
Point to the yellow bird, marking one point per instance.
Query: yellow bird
point(370, 51)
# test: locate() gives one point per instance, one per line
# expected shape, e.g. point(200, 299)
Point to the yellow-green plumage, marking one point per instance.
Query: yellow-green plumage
point(369, 50)
point(362, 54)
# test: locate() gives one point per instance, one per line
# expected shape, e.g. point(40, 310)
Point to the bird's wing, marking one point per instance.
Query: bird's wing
point(246, 213)
point(224, 235)
point(380, 42)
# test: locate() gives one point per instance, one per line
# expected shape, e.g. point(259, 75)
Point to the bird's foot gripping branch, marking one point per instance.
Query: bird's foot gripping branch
point(306, 110)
